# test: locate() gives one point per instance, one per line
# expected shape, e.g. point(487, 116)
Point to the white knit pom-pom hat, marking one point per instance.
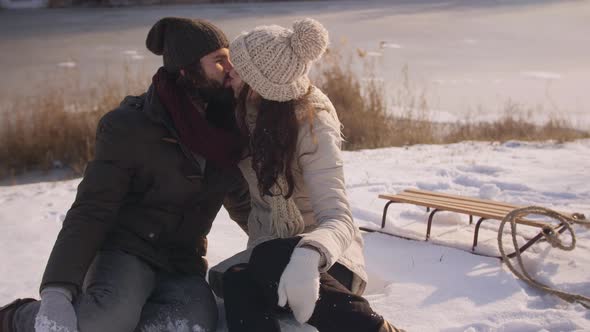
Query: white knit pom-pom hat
point(275, 61)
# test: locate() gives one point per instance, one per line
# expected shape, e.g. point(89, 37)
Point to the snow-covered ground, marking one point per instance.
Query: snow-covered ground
point(420, 286)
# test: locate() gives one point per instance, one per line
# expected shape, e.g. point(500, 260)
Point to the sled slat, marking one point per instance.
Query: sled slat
point(479, 209)
point(473, 207)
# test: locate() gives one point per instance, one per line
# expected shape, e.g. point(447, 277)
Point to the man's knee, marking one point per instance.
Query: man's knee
point(97, 315)
point(203, 315)
point(195, 316)
point(195, 310)
point(180, 303)
point(105, 321)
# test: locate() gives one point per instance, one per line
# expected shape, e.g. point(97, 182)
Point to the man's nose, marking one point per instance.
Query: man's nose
point(228, 66)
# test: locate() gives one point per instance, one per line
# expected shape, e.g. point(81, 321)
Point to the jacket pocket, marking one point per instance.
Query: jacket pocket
point(147, 224)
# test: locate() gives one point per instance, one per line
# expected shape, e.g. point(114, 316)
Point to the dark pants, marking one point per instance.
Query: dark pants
point(122, 293)
point(250, 294)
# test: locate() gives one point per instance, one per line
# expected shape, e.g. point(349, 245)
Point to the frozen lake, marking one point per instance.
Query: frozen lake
point(470, 56)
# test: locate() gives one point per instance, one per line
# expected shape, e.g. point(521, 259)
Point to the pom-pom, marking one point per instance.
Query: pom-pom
point(309, 40)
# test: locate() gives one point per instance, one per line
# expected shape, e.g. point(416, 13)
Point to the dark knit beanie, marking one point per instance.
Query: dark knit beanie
point(183, 41)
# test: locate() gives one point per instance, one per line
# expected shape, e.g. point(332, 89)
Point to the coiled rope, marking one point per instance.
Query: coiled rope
point(552, 237)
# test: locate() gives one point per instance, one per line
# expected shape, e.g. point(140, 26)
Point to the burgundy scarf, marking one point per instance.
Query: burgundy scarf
point(219, 146)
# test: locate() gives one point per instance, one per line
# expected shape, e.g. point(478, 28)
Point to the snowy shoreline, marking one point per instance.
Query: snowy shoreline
point(417, 285)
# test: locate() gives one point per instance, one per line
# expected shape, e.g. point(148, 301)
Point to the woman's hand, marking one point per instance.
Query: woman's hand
point(300, 283)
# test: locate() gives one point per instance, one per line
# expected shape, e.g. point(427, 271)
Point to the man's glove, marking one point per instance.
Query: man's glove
point(56, 312)
point(300, 283)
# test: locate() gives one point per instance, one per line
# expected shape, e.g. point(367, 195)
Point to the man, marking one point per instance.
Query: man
point(130, 255)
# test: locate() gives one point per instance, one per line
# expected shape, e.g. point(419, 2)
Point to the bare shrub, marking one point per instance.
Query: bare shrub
point(362, 110)
point(514, 125)
point(368, 121)
point(56, 127)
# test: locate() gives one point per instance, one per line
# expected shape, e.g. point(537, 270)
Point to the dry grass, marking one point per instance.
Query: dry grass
point(352, 103)
point(56, 127)
point(515, 126)
point(363, 108)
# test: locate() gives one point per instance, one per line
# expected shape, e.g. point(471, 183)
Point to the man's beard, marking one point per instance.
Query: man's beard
point(218, 94)
point(198, 86)
point(221, 101)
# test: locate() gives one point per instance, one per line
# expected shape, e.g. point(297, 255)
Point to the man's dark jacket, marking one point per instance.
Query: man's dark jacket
point(145, 194)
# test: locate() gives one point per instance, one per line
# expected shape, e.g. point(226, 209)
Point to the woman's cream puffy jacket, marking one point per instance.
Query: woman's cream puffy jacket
point(320, 195)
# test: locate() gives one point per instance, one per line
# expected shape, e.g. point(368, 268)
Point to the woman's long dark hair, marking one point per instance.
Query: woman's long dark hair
point(273, 142)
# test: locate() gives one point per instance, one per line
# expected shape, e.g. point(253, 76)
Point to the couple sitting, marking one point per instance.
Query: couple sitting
point(252, 135)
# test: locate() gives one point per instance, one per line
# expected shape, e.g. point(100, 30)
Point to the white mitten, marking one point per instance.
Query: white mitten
point(56, 312)
point(300, 283)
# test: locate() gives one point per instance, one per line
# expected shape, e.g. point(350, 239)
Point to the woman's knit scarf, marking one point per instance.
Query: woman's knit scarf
point(286, 219)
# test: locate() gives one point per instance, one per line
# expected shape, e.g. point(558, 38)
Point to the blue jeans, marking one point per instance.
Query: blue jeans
point(122, 293)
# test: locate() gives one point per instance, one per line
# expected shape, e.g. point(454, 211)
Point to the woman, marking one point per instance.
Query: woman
point(305, 253)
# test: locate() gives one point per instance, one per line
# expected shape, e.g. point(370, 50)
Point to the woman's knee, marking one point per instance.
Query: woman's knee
point(274, 249)
point(235, 277)
point(269, 259)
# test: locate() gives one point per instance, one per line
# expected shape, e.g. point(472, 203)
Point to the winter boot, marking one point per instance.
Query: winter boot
point(387, 327)
point(7, 311)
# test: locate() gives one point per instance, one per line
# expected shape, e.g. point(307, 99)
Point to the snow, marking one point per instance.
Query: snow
point(67, 64)
point(543, 75)
point(420, 286)
point(176, 326)
point(44, 324)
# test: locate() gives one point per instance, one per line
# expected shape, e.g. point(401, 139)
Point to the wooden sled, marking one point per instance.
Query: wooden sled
point(473, 207)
